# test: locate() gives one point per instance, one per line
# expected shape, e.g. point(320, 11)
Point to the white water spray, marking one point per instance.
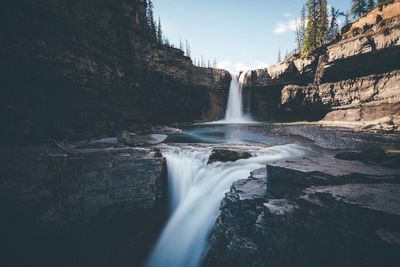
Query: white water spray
point(196, 190)
point(234, 113)
point(234, 110)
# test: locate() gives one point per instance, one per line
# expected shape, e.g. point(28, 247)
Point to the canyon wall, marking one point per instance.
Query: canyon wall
point(82, 69)
point(91, 204)
point(354, 79)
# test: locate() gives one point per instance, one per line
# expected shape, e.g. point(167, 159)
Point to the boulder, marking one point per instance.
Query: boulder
point(224, 155)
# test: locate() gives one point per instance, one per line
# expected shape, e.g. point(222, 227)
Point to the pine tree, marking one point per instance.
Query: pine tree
point(317, 28)
point(150, 21)
point(384, 2)
point(322, 22)
point(333, 25)
point(310, 38)
point(188, 52)
point(279, 56)
point(370, 5)
point(180, 44)
point(347, 18)
point(159, 33)
point(301, 29)
point(166, 42)
point(358, 8)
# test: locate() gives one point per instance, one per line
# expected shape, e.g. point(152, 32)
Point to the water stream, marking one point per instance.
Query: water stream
point(234, 110)
point(197, 188)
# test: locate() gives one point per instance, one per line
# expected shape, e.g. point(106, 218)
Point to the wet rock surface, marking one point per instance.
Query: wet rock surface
point(225, 155)
point(310, 212)
point(335, 137)
point(76, 207)
point(372, 155)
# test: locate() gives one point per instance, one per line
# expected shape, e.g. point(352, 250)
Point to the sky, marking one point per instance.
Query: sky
point(239, 34)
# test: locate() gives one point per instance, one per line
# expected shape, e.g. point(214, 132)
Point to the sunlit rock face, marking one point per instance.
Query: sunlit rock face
point(353, 79)
point(367, 98)
point(82, 69)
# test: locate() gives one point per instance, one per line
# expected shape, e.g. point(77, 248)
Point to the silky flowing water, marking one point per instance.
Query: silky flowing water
point(196, 188)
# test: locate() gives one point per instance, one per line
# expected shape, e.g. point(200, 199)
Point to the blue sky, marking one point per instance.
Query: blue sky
point(240, 34)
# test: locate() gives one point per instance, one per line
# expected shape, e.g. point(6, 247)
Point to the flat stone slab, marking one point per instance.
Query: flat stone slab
point(250, 189)
point(333, 167)
point(378, 197)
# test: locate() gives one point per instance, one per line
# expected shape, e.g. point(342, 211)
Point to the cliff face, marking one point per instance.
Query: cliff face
point(99, 204)
point(308, 213)
point(367, 98)
point(79, 69)
point(355, 79)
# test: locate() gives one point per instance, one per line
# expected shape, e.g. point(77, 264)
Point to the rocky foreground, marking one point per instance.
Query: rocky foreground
point(103, 203)
point(311, 212)
point(89, 204)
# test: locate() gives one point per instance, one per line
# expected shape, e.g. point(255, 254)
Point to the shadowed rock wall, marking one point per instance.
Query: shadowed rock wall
point(81, 69)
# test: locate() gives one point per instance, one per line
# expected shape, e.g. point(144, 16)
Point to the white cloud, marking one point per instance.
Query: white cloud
point(286, 26)
point(236, 67)
point(287, 14)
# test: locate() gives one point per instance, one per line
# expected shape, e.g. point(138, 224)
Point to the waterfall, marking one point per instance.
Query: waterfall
point(234, 113)
point(196, 190)
point(234, 109)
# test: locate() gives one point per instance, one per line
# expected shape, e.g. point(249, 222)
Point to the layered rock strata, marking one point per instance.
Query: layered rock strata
point(310, 212)
point(81, 206)
point(353, 79)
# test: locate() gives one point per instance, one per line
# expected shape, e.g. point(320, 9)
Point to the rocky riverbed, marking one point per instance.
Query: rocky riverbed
point(104, 203)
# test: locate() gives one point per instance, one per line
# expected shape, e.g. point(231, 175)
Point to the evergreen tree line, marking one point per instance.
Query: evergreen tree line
point(204, 63)
point(155, 33)
point(154, 29)
point(318, 26)
point(361, 7)
point(287, 55)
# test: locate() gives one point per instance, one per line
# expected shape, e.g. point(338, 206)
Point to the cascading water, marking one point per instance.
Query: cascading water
point(234, 113)
point(196, 190)
point(234, 109)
